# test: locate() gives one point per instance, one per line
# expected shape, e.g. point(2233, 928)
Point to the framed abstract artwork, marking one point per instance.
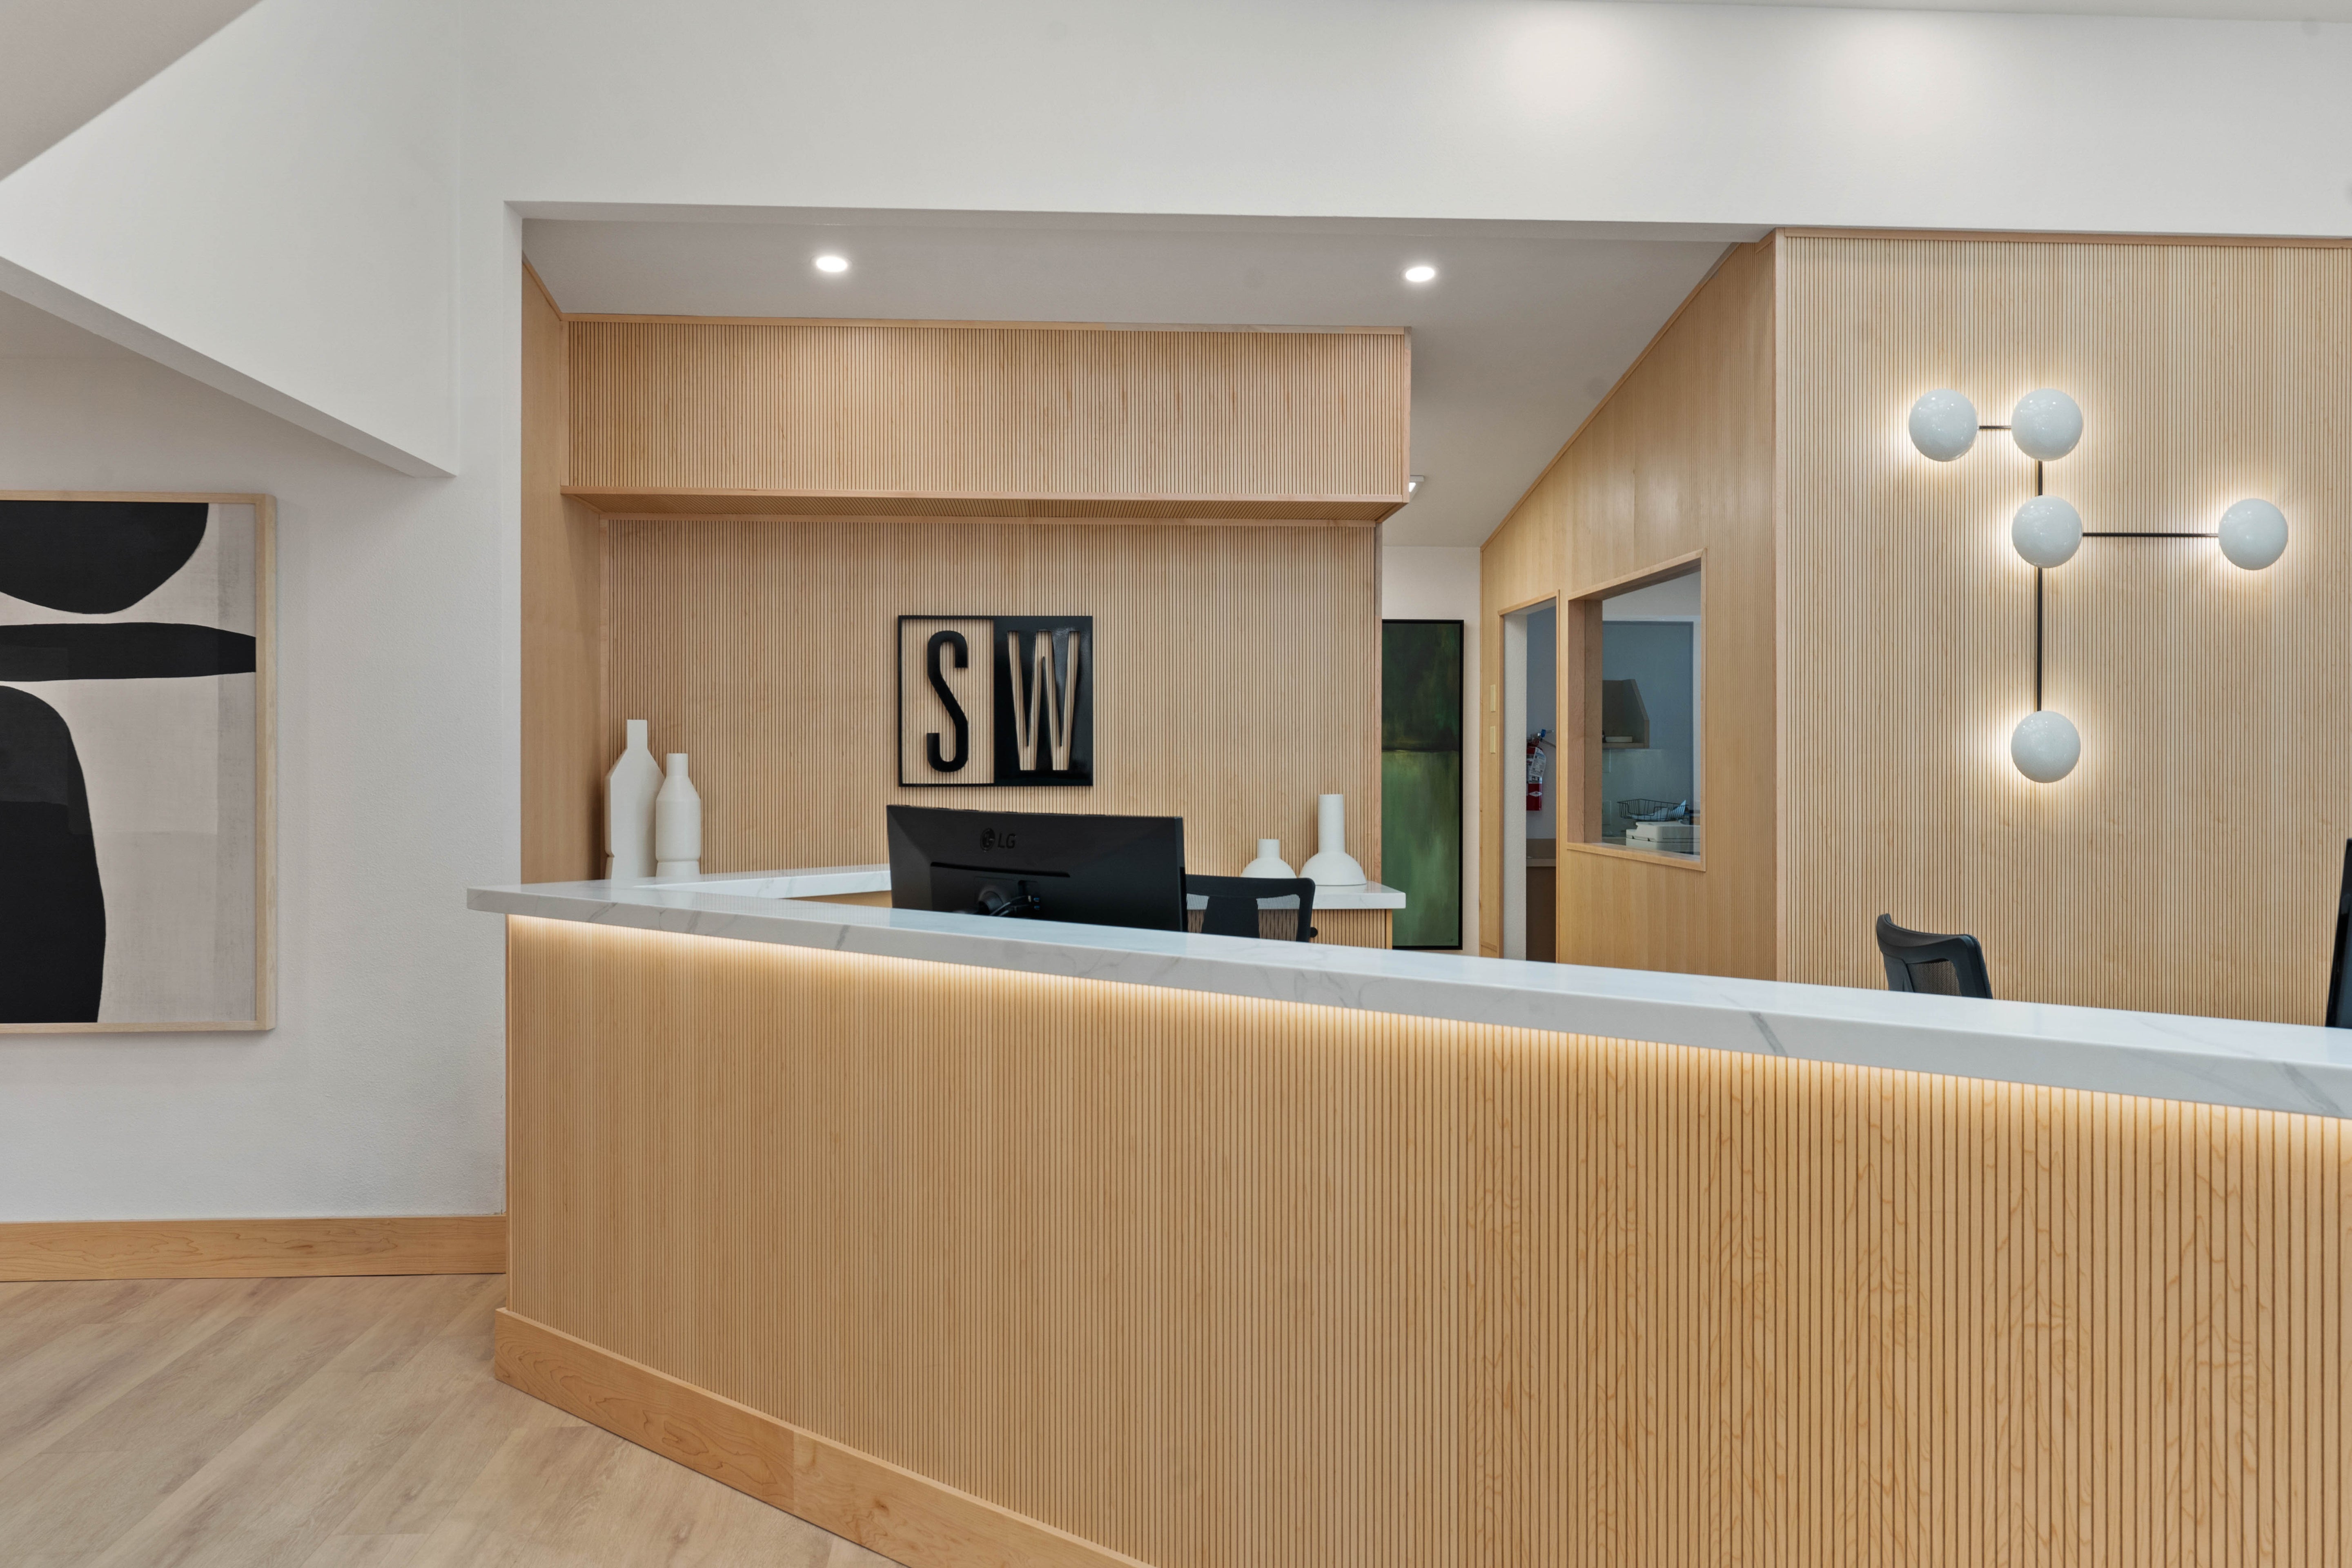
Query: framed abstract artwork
point(135, 748)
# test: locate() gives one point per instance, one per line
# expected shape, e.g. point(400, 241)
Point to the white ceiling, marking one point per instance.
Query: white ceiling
point(2212, 10)
point(62, 61)
point(1525, 327)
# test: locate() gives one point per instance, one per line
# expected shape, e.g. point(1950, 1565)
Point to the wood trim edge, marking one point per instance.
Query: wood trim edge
point(1639, 857)
point(919, 1522)
point(2073, 236)
point(545, 293)
point(252, 1249)
point(950, 323)
point(1666, 571)
point(683, 504)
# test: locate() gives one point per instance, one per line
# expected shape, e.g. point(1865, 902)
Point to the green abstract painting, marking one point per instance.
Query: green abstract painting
point(1420, 778)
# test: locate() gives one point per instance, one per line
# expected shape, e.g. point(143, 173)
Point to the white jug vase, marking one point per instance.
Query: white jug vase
point(678, 824)
point(629, 791)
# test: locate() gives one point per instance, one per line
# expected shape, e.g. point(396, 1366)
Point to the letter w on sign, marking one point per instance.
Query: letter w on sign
point(1046, 688)
point(996, 702)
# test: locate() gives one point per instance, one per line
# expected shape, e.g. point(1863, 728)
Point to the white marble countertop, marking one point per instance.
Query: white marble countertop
point(831, 880)
point(2217, 1061)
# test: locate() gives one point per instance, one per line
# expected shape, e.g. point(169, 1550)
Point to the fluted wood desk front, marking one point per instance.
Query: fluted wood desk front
point(1198, 1253)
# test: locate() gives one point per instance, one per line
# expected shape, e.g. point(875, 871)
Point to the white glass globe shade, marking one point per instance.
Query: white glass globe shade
point(2047, 531)
point(2253, 534)
point(1943, 424)
point(2045, 746)
point(2045, 425)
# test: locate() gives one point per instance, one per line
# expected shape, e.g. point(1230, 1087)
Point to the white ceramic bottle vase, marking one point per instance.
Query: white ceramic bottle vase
point(629, 791)
point(1269, 861)
point(1332, 865)
point(678, 824)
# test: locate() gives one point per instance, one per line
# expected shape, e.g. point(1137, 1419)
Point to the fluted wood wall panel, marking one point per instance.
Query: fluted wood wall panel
point(1679, 459)
point(1215, 1282)
point(2190, 863)
point(565, 736)
point(986, 414)
point(1237, 669)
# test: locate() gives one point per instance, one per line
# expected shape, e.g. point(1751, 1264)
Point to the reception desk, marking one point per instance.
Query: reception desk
point(1000, 1242)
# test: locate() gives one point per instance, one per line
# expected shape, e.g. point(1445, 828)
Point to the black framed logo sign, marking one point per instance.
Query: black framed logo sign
point(996, 700)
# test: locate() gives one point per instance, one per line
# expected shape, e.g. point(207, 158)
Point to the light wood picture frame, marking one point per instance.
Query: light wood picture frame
point(138, 706)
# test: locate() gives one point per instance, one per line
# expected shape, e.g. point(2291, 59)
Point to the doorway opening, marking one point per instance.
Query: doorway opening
point(1529, 780)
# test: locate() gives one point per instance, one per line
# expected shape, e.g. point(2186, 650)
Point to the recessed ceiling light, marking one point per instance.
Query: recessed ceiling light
point(833, 264)
point(1420, 273)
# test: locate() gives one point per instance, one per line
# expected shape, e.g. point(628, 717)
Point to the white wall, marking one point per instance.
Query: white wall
point(1528, 108)
point(301, 160)
point(381, 1090)
point(274, 214)
point(1427, 582)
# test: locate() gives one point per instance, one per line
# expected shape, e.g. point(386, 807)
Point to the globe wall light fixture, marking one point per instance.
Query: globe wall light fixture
point(2046, 425)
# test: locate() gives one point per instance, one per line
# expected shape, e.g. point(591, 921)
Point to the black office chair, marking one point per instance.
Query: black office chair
point(1926, 962)
point(2340, 1004)
point(1232, 903)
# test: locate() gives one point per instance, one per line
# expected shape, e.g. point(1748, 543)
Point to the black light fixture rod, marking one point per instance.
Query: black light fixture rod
point(2037, 639)
point(2037, 606)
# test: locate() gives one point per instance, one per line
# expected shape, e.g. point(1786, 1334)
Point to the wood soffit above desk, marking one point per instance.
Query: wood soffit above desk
point(685, 505)
point(684, 418)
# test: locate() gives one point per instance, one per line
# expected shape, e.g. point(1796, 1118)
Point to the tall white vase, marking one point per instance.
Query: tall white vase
point(629, 791)
point(678, 824)
point(1332, 865)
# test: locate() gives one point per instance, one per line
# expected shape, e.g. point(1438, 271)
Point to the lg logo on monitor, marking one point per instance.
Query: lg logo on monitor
point(996, 700)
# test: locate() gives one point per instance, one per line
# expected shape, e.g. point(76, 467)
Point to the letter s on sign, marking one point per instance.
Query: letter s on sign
point(953, 642)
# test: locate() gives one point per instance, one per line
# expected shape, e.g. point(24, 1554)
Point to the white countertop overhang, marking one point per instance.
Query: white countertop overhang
point(2215, 1062)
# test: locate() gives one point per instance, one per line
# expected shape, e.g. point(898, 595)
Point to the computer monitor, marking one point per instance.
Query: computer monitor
point(2339, 1005)
point(1053, 866)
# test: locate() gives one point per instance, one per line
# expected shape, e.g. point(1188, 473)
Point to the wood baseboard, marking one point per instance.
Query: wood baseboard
point(253, 1248)
point(919, 1521)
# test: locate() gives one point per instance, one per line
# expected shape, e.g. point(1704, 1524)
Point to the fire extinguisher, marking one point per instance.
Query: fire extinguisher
point(1537, 744)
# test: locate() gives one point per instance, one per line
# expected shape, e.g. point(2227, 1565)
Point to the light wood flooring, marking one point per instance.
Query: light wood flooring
point(327, 1423)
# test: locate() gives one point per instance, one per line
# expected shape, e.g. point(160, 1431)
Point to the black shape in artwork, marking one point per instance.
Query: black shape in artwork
point(93, 558)
point(53, 916)
point(121, 650)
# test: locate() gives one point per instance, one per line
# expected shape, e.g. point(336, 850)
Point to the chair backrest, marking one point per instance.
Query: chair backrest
point(1928, 962)
point(2340, 1004)
point(1233, 902)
